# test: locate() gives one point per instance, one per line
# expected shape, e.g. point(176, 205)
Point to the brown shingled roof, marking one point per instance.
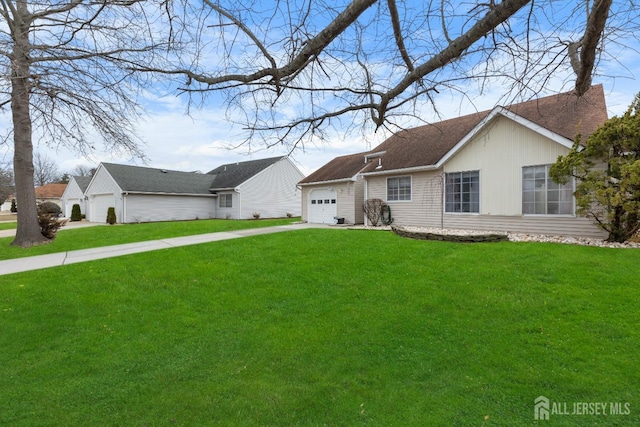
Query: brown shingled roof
point(564, 114)
point(49, 191)
point(340, 168)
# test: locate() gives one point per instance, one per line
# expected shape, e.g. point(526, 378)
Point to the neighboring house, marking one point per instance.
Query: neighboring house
point(484, 171)
point(141, 194)
point(50, 193)
point(74, 194)
point(6, 206)
point(267, 187)
point(237, 190)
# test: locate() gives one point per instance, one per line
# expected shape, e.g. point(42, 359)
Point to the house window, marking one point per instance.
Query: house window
point(462, 192)
point(399, 188)
point(226, 200)
point(542, 196)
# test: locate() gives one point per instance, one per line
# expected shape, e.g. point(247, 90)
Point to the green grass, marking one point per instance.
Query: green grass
point(7, 225)
point(103, 235)
point(323, 327)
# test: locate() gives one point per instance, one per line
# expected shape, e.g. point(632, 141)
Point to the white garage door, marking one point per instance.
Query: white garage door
point(99, 206)
point(69, 206)
point(323, 206)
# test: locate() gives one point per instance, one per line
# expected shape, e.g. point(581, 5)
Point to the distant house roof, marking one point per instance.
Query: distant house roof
point(138, 179)
point(233, 174)
point(50, 191)
point(82, 181)
point(563, 114)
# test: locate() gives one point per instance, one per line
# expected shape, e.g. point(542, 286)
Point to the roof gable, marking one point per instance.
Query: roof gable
point(233, 174)
point(560, 117)
point(138, 179)
point(82, 181)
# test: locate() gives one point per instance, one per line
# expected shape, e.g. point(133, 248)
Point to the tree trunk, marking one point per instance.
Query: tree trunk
point(28, 231)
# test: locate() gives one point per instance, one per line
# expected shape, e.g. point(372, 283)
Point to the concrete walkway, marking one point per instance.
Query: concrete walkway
point(63, 258)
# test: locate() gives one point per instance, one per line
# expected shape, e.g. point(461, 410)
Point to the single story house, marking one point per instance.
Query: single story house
point(234, 191)
point(483, 171)
point(265, 187)
point(50, 193)
point(74, 194)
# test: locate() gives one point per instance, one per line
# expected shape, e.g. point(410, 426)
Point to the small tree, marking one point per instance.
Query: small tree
point(14, 207)
point(76, 214)
point(608, 172)
point(111, 215)
point(373, 210)
point(48, 220)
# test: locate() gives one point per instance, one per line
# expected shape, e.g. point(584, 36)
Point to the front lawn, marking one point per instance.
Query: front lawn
point(69, 239)
point(323, 327)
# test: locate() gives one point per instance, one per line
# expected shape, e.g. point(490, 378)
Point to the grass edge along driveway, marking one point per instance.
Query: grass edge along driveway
point(323, 327)
point(107, 235)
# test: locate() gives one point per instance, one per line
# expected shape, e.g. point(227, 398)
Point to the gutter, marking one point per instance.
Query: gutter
point(149, 193)
point(331, 181)
point(403, 170)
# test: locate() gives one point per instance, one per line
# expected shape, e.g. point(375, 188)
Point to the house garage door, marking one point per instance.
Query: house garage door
point(99, 206)
point(323, 206)
point(68, 207)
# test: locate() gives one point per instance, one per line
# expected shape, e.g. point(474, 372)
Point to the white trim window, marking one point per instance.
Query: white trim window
point(399, 189)
point(225, 200)
point(462, 192)
point(542, 196)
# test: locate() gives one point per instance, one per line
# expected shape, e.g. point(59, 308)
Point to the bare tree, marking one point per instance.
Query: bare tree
point(295, 69)
point(45, 170)
point(83, 170)
point(68, 73)
point(6, 183)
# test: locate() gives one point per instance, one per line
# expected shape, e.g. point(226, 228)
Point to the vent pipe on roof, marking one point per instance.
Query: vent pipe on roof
point(379, 163)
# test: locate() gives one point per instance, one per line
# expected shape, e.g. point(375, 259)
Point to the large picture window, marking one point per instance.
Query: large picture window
point(462, 192)
point(542, 196)
point(399, 188)
point(225, 200)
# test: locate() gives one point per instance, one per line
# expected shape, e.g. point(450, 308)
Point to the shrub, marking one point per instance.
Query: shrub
point(49, 224)
point(76, 215)
point(373, 210)
point(256, 215)
point(289, 215)
point(49, 208)
point(111, 215)
point(14, 207)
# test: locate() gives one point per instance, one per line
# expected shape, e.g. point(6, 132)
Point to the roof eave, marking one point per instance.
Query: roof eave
point(402, 170)
point(159, 193)
point(330, 181)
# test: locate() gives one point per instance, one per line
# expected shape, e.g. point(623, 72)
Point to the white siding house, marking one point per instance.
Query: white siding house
point(484, 171)
point(265, 187)
point(141, 194)
point(232, 191)
point(75, 194)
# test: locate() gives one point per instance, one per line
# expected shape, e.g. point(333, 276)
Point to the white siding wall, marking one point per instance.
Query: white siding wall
point(72, 195)
point(150, 208)
point(499, 153)
point(350, 197)
point(228, 213)
point(272, 193)
point(103, 184)
point(425, 207)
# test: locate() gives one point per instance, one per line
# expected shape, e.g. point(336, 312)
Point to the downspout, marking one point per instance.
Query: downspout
point(124, 207)
point(239, 203)
point(366, 196)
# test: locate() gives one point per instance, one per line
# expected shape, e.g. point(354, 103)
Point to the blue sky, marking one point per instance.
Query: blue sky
point(204, 139)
